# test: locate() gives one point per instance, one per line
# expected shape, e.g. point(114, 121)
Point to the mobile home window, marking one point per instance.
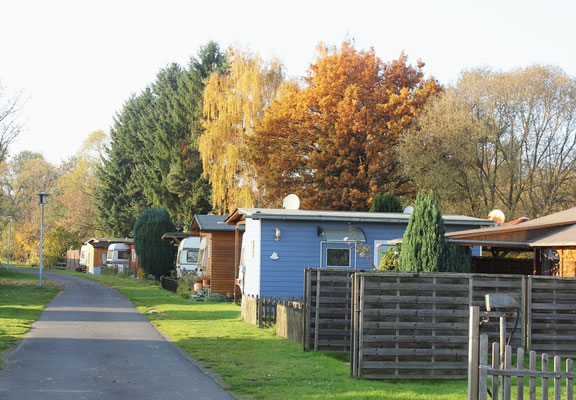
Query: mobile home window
point(123, 254)
point(337, 257)
point(380, 248)
point(192, 256)
point(338, 234)
point(201, 256)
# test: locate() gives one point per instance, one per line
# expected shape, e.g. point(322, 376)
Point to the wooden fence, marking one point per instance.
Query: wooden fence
point(552, 315)
point(413, 325)
point(261, 311)
point(328, 309)
point(513, 285)
point(501, 372)
point(410, 326)
point(290, 320)
point(72, 260)
point(332, 309)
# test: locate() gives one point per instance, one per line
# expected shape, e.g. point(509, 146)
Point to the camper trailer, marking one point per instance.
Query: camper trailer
point(187, 257)
point(83, 257)
point(118, 256)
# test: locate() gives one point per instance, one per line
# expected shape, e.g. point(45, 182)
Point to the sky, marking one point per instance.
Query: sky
point(77, 62)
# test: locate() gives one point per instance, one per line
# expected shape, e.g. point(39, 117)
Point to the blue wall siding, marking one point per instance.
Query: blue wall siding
point(299, 248)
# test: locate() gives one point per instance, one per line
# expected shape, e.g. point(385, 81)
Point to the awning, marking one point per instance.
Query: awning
point(341, 234)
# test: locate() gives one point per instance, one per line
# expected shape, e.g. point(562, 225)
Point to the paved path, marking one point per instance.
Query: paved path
point(91, 343)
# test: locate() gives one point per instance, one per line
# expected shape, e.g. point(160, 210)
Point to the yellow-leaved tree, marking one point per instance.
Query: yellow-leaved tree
point(233, 103)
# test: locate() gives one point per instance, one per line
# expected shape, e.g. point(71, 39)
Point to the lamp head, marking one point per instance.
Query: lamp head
point(43, 197)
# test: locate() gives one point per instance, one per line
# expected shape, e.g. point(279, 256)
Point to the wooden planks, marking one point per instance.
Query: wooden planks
point(290, 321)
point(328, 310)
point(513, 285)
point(392, 322)
point(501, 375)
point(410, 326)
point(552, 312)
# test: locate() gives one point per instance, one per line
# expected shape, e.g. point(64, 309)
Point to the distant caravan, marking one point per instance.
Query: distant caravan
point(118, 256)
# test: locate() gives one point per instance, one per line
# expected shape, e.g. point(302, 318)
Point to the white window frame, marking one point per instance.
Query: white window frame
point(387, 243)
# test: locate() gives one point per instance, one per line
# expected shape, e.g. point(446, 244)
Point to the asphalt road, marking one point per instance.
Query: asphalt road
point(91, 343)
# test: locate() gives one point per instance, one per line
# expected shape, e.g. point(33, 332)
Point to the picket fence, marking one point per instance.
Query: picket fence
point(500, 373)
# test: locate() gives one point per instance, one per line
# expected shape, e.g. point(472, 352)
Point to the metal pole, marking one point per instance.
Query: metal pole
point(9, 235)
point(41, 243)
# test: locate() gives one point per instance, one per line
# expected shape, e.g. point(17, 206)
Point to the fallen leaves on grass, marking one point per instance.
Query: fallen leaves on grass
point(31, 283)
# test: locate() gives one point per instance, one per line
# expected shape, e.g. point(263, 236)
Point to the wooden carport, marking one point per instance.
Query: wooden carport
point(551, 240)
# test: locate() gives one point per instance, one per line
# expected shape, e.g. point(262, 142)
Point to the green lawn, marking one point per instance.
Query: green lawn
point(21, 303)
point(258, 364)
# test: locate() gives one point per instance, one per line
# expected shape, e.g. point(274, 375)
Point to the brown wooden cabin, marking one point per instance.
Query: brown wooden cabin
point(96, 252)
point(218, 240)
point(541, 246)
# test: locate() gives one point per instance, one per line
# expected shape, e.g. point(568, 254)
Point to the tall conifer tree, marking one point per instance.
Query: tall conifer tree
point(424, 245)
point(153, 157)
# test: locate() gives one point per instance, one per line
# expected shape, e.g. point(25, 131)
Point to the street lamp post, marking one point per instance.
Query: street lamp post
point(43, 197)
point(9, 235)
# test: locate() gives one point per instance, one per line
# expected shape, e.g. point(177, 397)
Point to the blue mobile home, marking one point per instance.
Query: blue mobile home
point(278, 244)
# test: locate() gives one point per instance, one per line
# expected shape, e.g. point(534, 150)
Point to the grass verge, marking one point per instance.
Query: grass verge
point(21, 303)
point(256, 363)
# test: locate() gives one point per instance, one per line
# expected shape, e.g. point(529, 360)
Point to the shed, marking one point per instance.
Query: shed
point(96, 252)
point(217, 245)
point(549, 240)
point(278, 244)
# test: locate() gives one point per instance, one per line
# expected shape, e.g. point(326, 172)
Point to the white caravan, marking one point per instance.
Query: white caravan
point(118, 256)
point(187, 257)
point(83, 257)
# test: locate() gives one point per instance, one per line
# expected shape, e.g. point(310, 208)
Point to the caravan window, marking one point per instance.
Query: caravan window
point(337, 257)
point(123, 254)
point(192, 256)
point(201, 256)
point(110, 255)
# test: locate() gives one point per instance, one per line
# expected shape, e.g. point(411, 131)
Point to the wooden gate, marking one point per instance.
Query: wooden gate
point(494, 380)
point(328, 309)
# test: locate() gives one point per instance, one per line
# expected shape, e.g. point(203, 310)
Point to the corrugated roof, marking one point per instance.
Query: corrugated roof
point(346, 216)
point(559, 237)
point(105, 242)
point(211, 223)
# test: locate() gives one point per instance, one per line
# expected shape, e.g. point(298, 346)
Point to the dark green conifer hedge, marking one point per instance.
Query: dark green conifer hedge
point(424, 246)
point(155, 255)
point(386, 203)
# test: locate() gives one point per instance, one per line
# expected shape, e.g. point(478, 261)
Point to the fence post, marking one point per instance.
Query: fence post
point(260, 312)
point(317, 315)
point(569, 387)
point(473, 344)
point(483, 376)
point(306, 319)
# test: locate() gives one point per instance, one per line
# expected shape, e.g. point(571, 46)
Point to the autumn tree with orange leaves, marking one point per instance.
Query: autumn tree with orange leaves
point(332, 141)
